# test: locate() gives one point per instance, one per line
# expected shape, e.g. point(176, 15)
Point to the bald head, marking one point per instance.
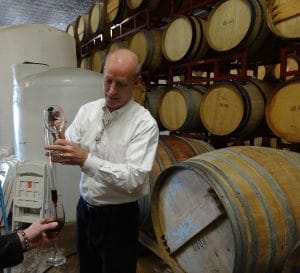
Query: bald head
point(121, 76)
point(124, 58)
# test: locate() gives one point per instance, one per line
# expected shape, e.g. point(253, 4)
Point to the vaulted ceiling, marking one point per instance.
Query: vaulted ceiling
point(56, 13)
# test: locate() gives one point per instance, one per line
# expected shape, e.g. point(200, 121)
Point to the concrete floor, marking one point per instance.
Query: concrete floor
point(35, 260)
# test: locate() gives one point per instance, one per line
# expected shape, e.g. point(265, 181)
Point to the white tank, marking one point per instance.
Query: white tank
point(68, 87)
point(32, 43)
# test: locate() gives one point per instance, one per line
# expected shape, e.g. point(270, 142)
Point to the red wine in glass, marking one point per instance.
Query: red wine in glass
point(54, 197)
point(55, 212)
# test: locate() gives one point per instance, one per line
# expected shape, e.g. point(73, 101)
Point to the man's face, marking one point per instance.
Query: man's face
point(119, 83)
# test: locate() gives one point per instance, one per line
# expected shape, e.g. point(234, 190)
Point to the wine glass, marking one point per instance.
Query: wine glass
point(54, 123)
point(54, 120)
point(55, 212)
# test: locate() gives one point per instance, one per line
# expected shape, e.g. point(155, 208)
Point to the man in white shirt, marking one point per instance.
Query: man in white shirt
point(114, 142)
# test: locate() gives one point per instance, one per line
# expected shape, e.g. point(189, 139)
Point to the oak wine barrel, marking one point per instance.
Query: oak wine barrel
point(96, 19)
point(233, 25)
point(184, 39)
point(284, 18)
point(283, 111)
point(82, 31)
point(147, 46)
point(233, 108)
point(230, 210)
point(97, 60)
point(115, 11)
point(179, 108)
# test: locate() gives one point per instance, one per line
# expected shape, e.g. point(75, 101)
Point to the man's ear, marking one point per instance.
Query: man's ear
point(137, 79)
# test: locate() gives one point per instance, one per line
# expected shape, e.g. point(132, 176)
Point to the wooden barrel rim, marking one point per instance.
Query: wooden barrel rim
point(264, 30)
point(195, 148)
point(82, 31)
point(152, 102)
point(203, 45)
point(253, 117)
point(71, 29)
point(198, 31)
point(258, 28)
point(246, 114)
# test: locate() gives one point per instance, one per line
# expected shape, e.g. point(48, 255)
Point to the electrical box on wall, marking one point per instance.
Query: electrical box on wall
point(29, 192)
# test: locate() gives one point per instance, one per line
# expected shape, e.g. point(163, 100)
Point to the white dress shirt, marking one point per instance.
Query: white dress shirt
point(121, 145)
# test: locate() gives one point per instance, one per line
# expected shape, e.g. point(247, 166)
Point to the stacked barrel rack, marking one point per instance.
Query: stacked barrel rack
point(217, 68)
point(218, 65)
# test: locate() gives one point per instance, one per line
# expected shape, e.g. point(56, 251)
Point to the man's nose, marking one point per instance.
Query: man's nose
point(112, 88)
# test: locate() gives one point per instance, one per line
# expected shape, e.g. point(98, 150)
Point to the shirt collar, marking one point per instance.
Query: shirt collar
point(120, 110)
point(109, 116)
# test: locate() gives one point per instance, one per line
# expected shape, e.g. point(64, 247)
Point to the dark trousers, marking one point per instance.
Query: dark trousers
point(107, 237)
